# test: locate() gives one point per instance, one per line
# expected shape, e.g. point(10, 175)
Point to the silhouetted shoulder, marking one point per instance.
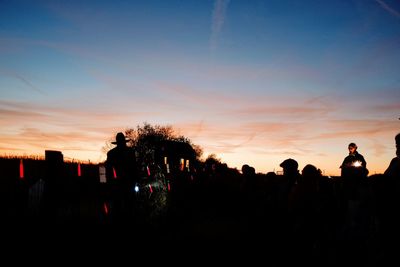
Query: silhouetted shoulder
point(394, 167)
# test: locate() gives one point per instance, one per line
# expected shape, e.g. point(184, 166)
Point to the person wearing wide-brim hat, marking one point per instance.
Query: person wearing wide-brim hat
point(120, 139)
point(120, 159)
point(122, 175)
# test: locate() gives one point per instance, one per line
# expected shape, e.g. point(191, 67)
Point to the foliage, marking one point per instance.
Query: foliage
point(24, 157)
point(147, 136)
point(146, 140)
point(212, 159)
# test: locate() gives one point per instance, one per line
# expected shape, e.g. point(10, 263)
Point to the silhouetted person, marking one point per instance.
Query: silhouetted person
point(394, 167)
point(305, 210)
point(354, 163)
point(291, 176)
point(388, 204)
point(282, 224)
point(290, 170)
point(353, 174)
point(249, 182)
point(122, 174)
point(354, 209)
point(249, 191)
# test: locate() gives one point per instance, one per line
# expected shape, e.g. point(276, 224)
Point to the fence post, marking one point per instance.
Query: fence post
point(53, 182)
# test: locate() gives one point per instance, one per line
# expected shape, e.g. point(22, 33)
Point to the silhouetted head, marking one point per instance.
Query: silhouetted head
point(289, 166)
point(310, 173)
point(120, 139)
point(352, 148)
point(245, 169)
point(310, 170)
point(252, 170)
point(397, 138)
point(270, 175)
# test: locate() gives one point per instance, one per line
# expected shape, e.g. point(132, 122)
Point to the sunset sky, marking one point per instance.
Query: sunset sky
point(254, 82)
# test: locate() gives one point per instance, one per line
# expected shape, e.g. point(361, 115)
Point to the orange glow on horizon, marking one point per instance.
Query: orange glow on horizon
point(329, 164)
point(263, 147)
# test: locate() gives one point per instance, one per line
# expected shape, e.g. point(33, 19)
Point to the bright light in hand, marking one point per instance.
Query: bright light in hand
point(357, 164)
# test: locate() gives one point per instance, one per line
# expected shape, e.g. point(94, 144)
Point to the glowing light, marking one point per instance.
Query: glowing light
point(165, 160)
point(21, 170)
point(169, 186)
point(115, 173)
point(151, 188)
point(148, 171)
point(136, 188)
point(182, 165)
point(357, 163)
point(167, 168)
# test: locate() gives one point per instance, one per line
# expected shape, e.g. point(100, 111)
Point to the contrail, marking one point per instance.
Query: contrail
point(218, 18)
point(29, 84)
point(388, 8)
point(22, 79)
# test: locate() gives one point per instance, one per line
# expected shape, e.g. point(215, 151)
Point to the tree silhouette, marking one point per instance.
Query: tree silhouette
point(154, 145)
point(148, 137)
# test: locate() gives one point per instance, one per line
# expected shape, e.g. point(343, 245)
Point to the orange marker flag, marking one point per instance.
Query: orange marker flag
point(21, 170)
point(105, 207)
point(115, 173)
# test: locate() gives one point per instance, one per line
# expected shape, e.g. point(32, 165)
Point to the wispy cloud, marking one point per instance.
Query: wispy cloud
point(32, 128)
point(371, 128)
point(388, 8)
point(22, 79)
point(218, 19)
point(28, 83)
point(295, 111)
point(392, 107)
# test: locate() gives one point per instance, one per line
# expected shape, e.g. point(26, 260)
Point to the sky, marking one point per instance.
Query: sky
point(253, 82)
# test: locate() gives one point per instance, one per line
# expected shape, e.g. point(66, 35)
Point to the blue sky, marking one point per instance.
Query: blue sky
point(253, 82)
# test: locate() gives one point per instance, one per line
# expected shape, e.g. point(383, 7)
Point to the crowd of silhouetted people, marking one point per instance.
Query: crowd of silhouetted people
point(351, 219)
